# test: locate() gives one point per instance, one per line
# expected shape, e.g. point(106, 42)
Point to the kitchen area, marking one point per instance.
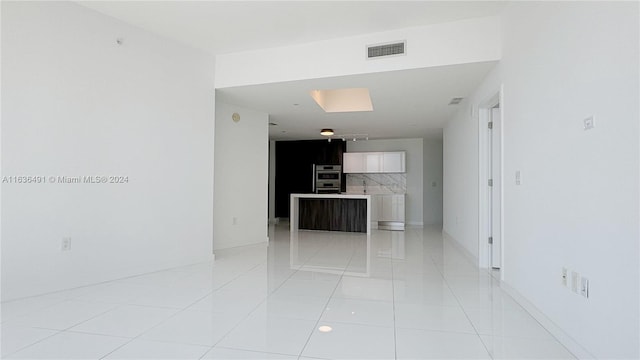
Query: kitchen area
point(292, 116)
point(320, 185)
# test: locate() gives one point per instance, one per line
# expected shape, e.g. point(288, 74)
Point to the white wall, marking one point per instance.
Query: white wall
point(241, 177)
point(432, 175)
point(460, 167)
point(413, 147)
point(75, 103)
point(460, 42)
point(460, 181)
point(578, 203)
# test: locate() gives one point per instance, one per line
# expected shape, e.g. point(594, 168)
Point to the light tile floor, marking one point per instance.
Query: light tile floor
point(395, 295)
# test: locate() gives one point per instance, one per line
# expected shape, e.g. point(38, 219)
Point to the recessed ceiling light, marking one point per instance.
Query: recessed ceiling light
point(325, 328)
point(296, 104)
point(343, 100)
point(273, 124)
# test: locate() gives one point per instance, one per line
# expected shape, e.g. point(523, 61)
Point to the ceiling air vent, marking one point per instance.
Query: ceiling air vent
point(376, 51)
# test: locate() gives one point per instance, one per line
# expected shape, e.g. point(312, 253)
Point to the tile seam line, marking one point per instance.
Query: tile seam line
point(393, 297)
point(26, 346)
point(353, 252)
point(257, 306)
point(167, 319)
point(68, 329)
point(253, 351)
point(536, 320)
point(100, 283)
point(465, 313)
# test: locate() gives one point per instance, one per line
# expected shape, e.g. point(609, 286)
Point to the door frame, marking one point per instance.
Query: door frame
point(484, 114)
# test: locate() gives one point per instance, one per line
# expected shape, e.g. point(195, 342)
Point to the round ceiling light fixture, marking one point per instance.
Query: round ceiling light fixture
point(326, 132)
point(325, 328)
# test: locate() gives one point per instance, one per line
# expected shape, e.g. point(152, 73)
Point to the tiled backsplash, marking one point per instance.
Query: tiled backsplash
point(377, 183)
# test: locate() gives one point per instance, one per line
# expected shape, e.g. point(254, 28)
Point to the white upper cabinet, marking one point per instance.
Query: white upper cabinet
point(353, 163)
point(374, 162)
point(393, 162)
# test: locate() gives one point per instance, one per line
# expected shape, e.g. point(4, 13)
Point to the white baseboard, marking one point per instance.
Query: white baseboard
point(567, 341)
point(415, 223)
point(264, 243)
point(458, 245)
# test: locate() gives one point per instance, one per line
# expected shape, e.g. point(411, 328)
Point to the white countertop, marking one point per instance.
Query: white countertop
point(371, 193)
point(332, 196)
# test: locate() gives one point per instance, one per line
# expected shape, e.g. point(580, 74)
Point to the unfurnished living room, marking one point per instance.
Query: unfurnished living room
point(320, 180)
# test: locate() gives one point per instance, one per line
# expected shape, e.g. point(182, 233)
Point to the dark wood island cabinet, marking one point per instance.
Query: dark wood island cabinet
point(331, 212)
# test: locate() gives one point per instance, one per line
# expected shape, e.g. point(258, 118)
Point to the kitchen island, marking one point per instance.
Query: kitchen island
point(331, 212)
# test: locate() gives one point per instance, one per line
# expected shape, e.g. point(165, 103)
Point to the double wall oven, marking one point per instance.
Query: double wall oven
point(327, 179)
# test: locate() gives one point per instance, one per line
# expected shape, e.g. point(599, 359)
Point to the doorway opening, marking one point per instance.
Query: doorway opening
point(491, 239)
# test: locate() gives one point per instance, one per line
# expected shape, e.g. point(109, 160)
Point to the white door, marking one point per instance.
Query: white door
point(495, 190)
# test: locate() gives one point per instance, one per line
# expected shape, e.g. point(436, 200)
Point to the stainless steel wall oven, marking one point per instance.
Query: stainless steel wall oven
point(327, 179)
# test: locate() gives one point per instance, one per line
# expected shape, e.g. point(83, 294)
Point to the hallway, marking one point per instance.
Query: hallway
point(403, 295)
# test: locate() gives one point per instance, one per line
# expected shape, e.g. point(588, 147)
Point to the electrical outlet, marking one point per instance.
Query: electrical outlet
point(518, 177)
point(565, 275)
point(584, 288)
point(66, 244)
point(574, 281)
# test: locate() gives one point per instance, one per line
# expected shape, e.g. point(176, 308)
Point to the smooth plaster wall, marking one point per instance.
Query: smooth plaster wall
point(75, 103)
point(459, 42)
point(578, 203)
point(432, 180)
point(241, 181)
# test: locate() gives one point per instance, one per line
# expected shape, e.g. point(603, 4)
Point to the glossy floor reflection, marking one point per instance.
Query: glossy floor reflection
point(395, 295)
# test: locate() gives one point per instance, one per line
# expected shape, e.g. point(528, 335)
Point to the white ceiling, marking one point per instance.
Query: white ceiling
point(410, 103)
point(230, 26)
point(407, 104)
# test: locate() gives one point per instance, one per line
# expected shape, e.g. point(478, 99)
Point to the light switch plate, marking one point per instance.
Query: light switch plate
point(574, 281)
point(584, 287)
